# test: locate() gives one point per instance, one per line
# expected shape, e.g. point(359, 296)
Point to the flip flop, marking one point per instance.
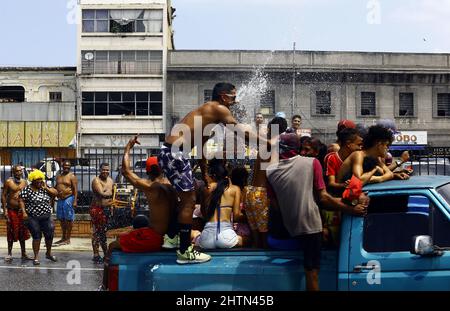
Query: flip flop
point(36, 262)
point(97, 259)
point(8, 259)
point(51, 257)
point(26, 258)
point(58, 242)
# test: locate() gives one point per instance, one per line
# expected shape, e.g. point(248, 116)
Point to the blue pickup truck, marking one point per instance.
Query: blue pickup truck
point(402, 244)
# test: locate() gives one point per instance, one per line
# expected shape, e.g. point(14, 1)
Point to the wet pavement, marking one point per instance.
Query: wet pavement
point(74, 271)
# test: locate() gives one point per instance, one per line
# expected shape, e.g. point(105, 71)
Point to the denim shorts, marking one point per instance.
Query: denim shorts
point(41, 225)
point(210, 238)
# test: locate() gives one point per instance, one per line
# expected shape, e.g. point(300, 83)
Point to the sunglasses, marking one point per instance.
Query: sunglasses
point(230, 96)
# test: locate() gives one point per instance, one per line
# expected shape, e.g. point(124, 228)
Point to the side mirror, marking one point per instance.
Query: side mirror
point(423, 245)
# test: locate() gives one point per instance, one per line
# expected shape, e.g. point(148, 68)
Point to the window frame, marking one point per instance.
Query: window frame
point(58, 98)
point(154, 104)
point(315, 109)
point(110, 22)
point(152, 66)
point(436, 91)
point(432, 207)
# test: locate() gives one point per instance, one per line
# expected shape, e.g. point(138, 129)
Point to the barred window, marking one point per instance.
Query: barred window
point(323, 102)
point(55, 96)
point(443, 104)
point(121, 62)
point(267, 102)
point(368, 104)
point(122, 103)
point(406, 103)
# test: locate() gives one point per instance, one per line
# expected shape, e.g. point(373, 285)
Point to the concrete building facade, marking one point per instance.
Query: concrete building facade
point(323, 87)
point(121, 67)
point(38, 114)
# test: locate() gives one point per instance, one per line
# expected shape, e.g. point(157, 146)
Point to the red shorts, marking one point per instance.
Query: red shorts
point(98, 216)
point(16, 230)
point(142, 240)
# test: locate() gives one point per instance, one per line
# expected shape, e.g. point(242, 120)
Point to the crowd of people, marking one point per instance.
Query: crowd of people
point(292, 200)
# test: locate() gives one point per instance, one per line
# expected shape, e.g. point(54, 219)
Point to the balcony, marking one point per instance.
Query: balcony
point(38, 111)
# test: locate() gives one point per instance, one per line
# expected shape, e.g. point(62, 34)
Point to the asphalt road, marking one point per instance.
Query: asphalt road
point(74, 271)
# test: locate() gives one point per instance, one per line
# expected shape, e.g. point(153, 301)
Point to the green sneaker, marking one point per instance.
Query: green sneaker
point(171, 243)
point(191, 256)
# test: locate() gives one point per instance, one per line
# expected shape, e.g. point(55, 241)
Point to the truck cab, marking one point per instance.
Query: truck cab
point(376, 252)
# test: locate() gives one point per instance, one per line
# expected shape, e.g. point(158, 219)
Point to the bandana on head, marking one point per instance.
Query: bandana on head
point(289, 145)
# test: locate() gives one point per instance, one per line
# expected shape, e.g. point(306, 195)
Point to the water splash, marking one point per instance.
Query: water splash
point(249, 93)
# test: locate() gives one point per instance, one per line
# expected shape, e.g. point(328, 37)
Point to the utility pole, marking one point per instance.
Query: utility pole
point(293, 81)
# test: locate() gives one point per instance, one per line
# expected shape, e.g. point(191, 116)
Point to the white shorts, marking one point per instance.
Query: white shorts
point(227, 237)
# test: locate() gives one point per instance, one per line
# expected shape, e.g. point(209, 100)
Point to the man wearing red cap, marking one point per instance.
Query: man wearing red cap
point(345, 124)
point(296, 183)
point(161, 196)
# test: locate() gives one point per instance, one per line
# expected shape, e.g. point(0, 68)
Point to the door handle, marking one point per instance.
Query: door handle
point(361, 268)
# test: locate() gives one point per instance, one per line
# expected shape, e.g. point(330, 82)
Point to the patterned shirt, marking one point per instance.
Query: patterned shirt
point(37, 203)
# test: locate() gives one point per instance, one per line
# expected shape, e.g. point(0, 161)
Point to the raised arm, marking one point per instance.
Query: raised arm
point(51, 191)
point(130, 176)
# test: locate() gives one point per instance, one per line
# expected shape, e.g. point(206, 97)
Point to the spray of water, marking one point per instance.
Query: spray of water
point(249, 93)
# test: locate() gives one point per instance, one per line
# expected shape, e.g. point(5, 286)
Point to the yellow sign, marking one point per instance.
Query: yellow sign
point(3, 134)
point(67, 131)
point(33, 134)
point(16, 134)
point(50, 137)
point(37, 134)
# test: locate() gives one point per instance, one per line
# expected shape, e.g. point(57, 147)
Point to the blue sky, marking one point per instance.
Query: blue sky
point(39, 33)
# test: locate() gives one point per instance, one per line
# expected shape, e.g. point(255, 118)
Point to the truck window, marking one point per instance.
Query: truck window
point(444, 191)
point(393, 220)
point(441, 229)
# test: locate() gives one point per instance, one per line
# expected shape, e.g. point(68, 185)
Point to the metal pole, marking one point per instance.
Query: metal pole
point(293, 81)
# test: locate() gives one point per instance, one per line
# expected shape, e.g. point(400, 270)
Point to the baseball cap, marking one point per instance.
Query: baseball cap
point(346, 124)
point(281, 114)
point(150, 162)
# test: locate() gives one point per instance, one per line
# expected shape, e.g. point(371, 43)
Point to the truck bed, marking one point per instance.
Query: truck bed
point(228, 270)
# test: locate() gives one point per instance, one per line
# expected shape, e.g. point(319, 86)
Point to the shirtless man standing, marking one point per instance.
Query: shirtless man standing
point(176, 166)
point(67, 185)
point(16, 230)
point(102, 186)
